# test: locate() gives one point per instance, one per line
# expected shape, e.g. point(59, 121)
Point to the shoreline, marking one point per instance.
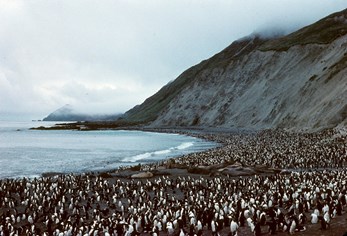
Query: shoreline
point(192, 184)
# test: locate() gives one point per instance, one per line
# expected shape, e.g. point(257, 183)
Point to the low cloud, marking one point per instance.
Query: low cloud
point(111, 55)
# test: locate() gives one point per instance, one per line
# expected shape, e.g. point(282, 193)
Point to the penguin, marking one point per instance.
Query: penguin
point(292, 227)
point(30, 220)
point(314, 218)
point(233, 227)
point(170, 229)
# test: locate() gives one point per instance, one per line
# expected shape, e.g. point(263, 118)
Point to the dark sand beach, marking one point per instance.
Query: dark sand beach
point(258, 183)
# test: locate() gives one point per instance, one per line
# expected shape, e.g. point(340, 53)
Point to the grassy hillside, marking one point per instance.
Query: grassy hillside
point(322, 32)
point(233, 64)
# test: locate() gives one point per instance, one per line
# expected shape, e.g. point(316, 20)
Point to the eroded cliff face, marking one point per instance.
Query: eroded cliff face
point(298, 82)
point(302, 87)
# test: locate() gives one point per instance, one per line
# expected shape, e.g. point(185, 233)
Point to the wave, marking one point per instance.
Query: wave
point(185, 145)
point(152, 155)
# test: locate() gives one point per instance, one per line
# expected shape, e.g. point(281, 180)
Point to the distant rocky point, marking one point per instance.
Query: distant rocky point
point(296, 82)
point(68, 113)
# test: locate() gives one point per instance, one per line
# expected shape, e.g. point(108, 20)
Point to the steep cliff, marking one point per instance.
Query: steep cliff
point(298, 81)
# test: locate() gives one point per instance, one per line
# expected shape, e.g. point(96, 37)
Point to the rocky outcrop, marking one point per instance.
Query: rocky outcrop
point(297, 82)
point(142, 175)
point(68, 113)
point(235, 169)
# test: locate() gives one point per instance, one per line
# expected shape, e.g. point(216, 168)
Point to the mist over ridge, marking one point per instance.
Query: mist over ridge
point(113, 56)
point(296, 81)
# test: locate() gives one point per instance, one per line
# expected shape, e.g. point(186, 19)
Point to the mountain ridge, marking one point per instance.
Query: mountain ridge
point(147, 111)
point(69, 113)
point(295, 81)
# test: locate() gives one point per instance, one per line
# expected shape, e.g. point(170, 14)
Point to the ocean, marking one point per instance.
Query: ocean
point(29, 153)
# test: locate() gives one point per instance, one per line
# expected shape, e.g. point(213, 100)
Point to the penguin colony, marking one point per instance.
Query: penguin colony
point(315, 192)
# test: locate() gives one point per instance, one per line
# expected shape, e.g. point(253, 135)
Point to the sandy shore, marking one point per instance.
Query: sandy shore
point(255, 179)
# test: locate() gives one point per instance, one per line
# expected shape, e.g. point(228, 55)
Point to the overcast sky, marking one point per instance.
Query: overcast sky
point(106, 56)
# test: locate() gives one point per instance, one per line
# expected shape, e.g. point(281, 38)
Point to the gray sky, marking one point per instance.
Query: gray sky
point(107, 56)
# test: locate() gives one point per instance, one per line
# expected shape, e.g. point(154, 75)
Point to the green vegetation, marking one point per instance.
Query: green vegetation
point(235, 51)
point(322, 32)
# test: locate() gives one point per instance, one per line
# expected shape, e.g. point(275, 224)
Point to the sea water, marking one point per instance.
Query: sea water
point(29, 153)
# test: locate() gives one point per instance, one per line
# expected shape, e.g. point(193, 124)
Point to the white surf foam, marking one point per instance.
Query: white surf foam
point(153, 155)
point(185, 145)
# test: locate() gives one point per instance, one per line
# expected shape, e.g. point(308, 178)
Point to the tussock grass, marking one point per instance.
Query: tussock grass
point(322, 32)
